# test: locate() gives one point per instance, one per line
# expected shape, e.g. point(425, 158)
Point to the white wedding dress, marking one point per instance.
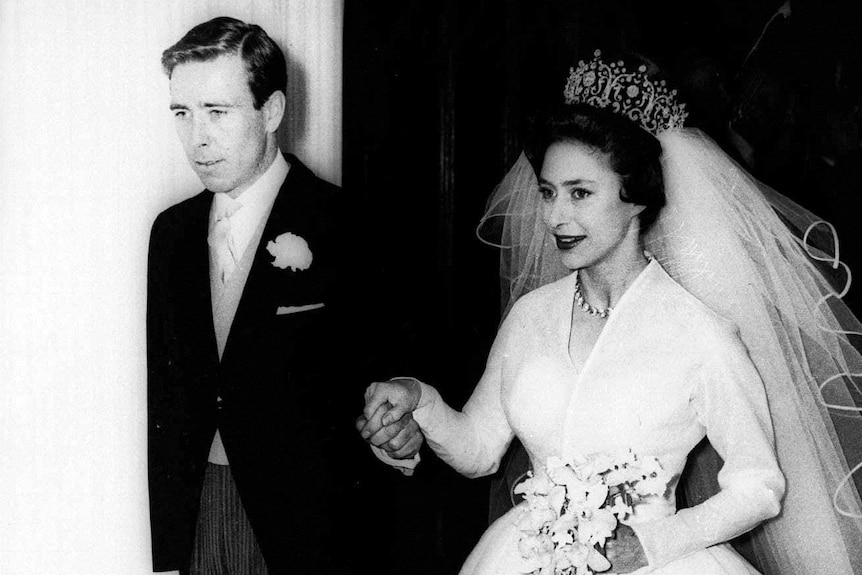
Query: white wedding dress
point(664, 372)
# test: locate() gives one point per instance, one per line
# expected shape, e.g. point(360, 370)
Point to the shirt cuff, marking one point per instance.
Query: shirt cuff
point(405, 466)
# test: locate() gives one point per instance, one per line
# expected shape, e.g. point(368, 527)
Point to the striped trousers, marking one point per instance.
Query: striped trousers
point(224, 541)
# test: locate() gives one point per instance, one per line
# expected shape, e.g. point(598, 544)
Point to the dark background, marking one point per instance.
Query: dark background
point(435, 98)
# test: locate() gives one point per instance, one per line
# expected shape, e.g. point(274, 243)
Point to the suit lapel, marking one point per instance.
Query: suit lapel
point(197, 268)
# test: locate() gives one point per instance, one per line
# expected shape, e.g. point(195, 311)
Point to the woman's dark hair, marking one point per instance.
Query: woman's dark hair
point(264, 60)
point(634, 153)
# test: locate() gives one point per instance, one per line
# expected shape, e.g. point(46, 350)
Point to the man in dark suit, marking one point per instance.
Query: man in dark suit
point(255, 341)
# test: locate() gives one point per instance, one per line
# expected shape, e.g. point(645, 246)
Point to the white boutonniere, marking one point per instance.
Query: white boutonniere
point(290, 251)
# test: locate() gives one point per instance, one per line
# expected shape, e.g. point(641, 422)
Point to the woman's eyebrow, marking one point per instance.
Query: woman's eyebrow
point(567, 183)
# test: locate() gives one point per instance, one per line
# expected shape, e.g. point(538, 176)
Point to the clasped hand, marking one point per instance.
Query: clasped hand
point(387, 419)
point(624, 551)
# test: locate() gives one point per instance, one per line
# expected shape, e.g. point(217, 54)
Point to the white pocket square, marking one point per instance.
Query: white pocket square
point(286, 309)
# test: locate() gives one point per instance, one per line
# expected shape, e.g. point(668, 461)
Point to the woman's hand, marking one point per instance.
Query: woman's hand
point(386, 421)
point(625, 551)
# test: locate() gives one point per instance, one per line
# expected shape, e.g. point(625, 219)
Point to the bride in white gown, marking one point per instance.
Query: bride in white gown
point(613, 348)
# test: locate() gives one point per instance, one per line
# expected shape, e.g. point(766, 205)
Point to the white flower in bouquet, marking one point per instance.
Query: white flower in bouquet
point(537, 549)
point(591, 498)
point(541, 485)
point(597, 463)
point(538, 517)
point(581, 560)
point(563, 529)
point(572, 508)
point(655, 485)
point(557, 499)
point(619, 507)
point(564, 556)
point(595, 528)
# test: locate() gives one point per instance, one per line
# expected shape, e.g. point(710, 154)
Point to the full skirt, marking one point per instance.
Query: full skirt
point(497, 554)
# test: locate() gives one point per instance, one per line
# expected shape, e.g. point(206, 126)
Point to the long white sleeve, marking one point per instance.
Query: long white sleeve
point(730, 402)
point(473, 440)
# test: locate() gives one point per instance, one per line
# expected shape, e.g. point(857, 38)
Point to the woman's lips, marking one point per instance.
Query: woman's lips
point(567, 242)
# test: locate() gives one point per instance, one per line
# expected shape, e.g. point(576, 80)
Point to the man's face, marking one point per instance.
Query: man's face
point(227, 141)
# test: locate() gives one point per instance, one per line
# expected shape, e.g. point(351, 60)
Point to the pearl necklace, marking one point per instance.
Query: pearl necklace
point(585, 305)
point(582, 303)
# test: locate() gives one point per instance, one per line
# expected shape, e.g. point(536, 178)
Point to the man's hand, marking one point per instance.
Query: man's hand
point(387, 421)
point(402, 395)
point(401, 439)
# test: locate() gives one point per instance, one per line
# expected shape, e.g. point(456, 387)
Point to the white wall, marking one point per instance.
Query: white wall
point(88, 157)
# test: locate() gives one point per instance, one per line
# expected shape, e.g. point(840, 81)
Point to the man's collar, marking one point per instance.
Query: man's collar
point(264, 189)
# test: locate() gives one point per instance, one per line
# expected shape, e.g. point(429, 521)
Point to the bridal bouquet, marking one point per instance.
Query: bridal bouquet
point(573, 507)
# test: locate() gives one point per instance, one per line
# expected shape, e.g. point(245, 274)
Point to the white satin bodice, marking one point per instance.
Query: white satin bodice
point(664, 372)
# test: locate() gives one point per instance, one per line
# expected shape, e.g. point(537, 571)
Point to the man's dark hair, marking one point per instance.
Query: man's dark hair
point(264, 60)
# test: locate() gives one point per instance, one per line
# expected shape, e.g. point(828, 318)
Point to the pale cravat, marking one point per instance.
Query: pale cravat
point(223, 248)
point(222, 242)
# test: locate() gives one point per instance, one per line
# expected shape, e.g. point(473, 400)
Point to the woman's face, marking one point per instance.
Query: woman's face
point(581, 205)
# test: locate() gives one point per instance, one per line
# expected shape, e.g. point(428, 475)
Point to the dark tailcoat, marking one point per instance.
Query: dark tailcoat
point(284, 394)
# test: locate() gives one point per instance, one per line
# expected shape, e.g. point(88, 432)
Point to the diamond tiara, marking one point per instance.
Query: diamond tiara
point(632, 94)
